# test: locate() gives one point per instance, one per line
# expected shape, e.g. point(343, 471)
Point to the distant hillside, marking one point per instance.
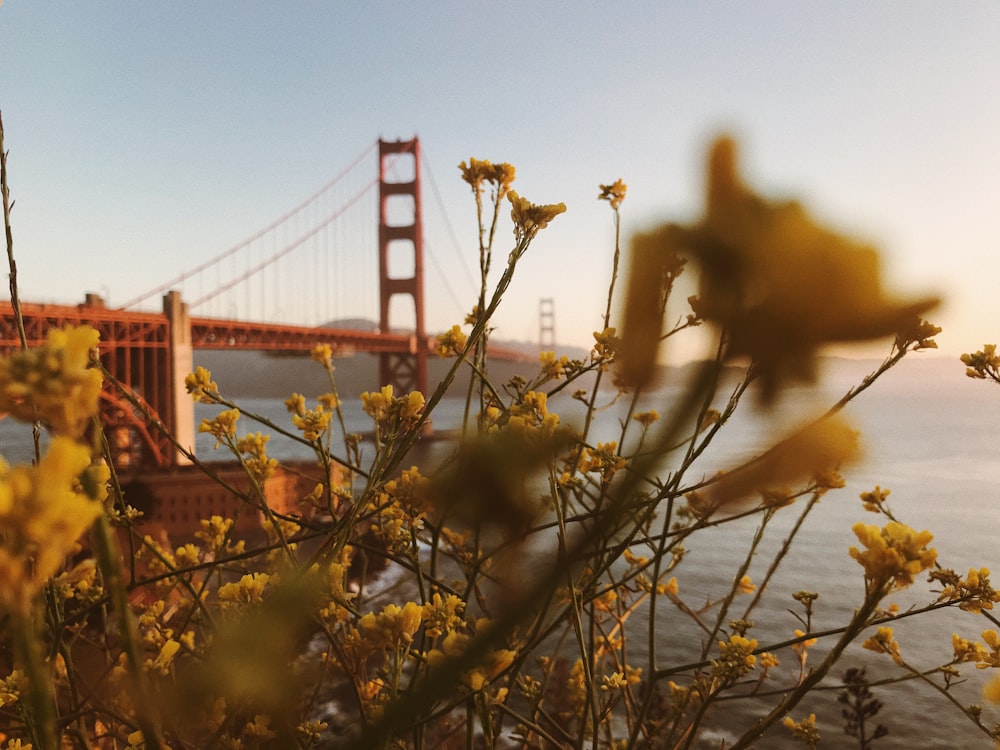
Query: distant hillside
point(246, 374)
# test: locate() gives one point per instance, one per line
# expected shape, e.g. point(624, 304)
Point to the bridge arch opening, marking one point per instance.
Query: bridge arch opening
point(401, 260)
point(400, 210)
point(400, 166)
point(402, 312)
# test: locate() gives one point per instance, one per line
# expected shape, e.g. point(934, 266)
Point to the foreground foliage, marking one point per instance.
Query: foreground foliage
point(536, 567)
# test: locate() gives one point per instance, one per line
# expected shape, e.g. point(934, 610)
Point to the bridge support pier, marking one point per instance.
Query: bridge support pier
point(181, 361)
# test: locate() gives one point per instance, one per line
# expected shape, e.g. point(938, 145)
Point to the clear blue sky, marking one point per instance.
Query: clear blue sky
point(146, 137)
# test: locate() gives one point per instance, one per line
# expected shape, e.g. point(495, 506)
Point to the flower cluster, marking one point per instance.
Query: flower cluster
point(613, 193)
point(604, 459)
point(53, 383)
point(983, 364)
point(314, 422)
point(974, 593)
point(392, 413)
point(451, 343)
point(253, 450)
point(222, 427)
point(893, 554)
point(767, 267)
point(454, 646)
point(529, 217)
point(201, 386)
point(736, 658)
point(874, 501)
point(479, 171)
point(323, 354)
point(553, 368)
point(804, 730)
point(884, 642)
point(44, 510)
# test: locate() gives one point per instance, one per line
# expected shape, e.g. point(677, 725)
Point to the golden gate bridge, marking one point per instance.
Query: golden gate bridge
point(149, 353)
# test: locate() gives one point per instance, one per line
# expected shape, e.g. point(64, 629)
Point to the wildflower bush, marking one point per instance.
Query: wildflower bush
point(535, 569)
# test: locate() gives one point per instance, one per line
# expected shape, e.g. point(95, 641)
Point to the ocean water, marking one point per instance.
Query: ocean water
point(928, 434)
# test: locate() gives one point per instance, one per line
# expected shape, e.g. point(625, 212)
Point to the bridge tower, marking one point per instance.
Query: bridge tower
point(400, 238)
point(546, 323)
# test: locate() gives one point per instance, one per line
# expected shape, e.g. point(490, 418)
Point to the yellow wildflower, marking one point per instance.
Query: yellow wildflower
point(323, 354)
point(884, 642)
point(222, 426)
point(201, 386)
point(451, 343)
point(493, 663)
point(603, 459)
point(411, 405)
point(442, 615)
point(615, 681)
point(553, 368)
point(478, 171)
point(296, 404)
point(312, 422)
point(991, 690)
point(248, 590)
point(605, 344)
point(11, 687)
point(528, 217)
point(804, 730)
point(966, 650)
point(163, 661)
point(801, 647)
point(329, 400)
point(736, 658)
point(670, 588)
point(613, 193)
point(43, 512)
point(811, 451)
point(393, 625)
point(779, 283)
point(646, 418)
point(983, 364)
point(53, 383)
point(377, 404)
point(893, 554)
point(874, 500)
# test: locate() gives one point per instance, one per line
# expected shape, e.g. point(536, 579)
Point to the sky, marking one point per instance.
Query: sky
point(145, 138)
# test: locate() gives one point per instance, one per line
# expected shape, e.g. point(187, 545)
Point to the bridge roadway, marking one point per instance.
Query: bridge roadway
point(149, 330)
point(149, 354)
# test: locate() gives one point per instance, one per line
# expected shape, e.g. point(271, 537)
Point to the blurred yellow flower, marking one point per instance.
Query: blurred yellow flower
point(991, 691)
point(43, 512)
point(54, 382)
point(808, 453)
point(780, 284)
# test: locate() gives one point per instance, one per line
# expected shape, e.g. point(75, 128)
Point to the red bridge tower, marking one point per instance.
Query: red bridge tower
point(401, 249)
